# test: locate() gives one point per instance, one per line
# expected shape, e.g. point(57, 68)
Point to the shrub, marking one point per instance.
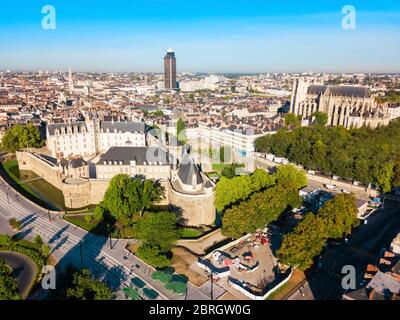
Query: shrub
point(15, 224)
point(88, 218)
point(153, 256)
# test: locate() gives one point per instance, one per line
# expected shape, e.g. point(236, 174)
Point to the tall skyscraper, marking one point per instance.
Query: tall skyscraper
point(170, 70)
point(70, 82)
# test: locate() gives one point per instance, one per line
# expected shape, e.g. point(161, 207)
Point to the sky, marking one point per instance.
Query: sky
point(214, 36)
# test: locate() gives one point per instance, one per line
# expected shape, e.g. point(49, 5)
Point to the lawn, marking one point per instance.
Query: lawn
point(81, 222)
point(12, 170)
point(189, 233)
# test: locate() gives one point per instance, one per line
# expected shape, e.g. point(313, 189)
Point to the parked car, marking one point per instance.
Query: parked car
point(311, 172)
point(346, 191)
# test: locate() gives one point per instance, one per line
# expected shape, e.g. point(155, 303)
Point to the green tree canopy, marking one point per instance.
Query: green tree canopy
point(321, 118)
point(366, 155)
point(300, 247)
point(158, 229)
point(153, 255)
point(292, 121)
point(8, 285)
point(127, 196)
point(21, 136)
point(85, 287)
point(333, 221)
point(229, 191)
point(180, 127)
point(339, 215)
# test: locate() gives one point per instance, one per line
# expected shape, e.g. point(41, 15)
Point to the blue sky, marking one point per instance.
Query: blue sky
point(208, 36)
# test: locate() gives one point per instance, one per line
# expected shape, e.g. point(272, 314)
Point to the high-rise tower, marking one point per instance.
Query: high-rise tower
point(170, 70)
point(70, 81)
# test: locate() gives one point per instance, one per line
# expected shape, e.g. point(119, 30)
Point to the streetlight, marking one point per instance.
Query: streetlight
point(8, 199)
point(80, 248)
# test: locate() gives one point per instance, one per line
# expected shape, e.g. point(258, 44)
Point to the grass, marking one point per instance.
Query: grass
point(218, 167)
point(82, 223)
point(12, 170)
point(280, 294)
point(189, 233)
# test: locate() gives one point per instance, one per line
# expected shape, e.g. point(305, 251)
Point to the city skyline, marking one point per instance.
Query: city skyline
point(210, 37)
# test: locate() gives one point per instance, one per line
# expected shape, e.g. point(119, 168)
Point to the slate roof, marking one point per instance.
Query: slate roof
point(52, 127)
point(138, 154)
point(187, 168)
point(122, 126)
point(73, 163)
point(345, 91)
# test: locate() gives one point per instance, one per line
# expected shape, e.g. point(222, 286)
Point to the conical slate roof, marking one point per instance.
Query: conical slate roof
point(188, 171)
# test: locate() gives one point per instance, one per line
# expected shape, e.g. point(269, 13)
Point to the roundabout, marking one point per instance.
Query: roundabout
point(23, 270)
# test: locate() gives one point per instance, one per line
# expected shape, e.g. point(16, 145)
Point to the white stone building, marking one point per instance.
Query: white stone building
point(91, 137)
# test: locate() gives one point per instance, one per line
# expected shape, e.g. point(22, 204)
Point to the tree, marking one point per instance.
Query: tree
point(292, 121)
point(158, 229)
point(180, 133)
point(384, 177)
point(362, 154)
point(85, 287)
point(126, 196)
point(290, 177)
point(8, 285)
point(334, 220)
point(300, 247)
point(339, 215)
point(21, 136)
point(321, 118)
point(262, 207)
point(396, 174)
point(229, 171)
point(230, 191)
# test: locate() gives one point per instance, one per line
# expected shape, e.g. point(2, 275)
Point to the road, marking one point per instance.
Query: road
point(313, 180)
point(24, 270)
point(364, 247)
point(67, 241)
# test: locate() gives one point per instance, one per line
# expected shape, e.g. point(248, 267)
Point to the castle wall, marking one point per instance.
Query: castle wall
point(76, 195)
point(196, 209)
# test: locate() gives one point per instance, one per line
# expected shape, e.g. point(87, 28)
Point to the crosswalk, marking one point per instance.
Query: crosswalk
point(60, 238)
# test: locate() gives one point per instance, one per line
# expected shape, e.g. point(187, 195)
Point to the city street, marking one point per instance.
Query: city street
point(68, 242)
point(363, 247)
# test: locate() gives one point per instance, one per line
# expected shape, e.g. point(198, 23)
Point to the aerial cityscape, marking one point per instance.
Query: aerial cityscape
point(225, 180)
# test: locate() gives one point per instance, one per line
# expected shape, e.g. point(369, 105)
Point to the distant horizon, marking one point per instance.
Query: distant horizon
point(197, 73)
